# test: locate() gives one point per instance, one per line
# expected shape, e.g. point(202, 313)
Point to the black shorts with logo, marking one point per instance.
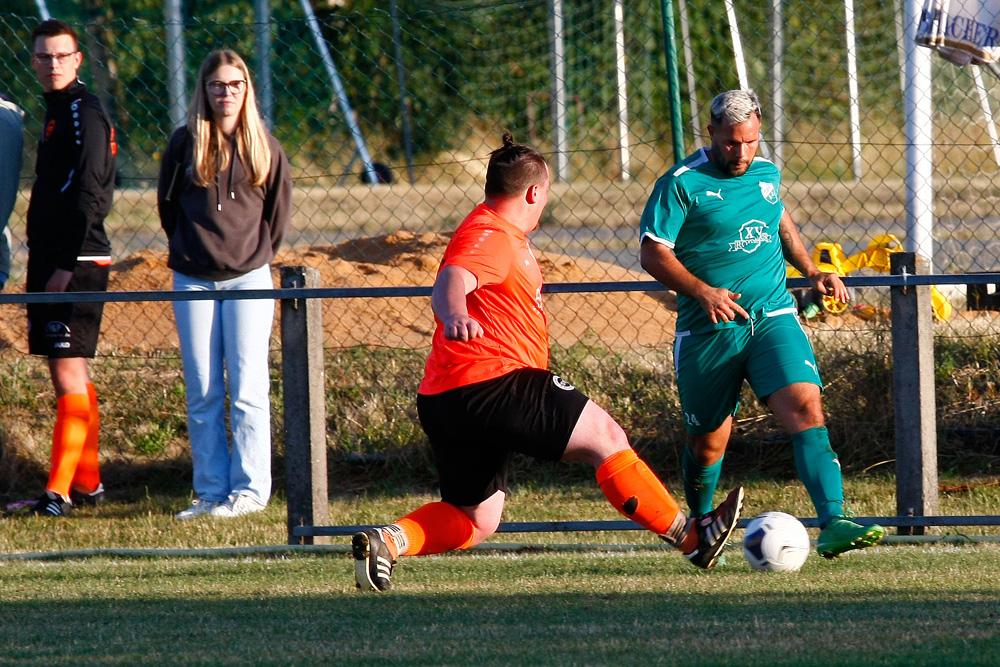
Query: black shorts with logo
point(473, 430)
point(66, 330)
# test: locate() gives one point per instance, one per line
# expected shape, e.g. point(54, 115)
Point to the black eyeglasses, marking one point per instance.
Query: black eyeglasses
point(49, 58)
point(220, 87)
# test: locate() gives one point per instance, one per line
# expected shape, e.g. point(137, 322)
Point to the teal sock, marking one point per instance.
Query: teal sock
point(819, 470)
point(699, 482)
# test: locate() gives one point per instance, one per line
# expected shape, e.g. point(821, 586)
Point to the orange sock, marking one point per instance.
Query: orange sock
point(68, 440)
point(88, 473)
point(633, 489)
point(432, 529)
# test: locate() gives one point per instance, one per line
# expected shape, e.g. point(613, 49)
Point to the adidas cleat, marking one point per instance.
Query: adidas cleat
point(48, 505)
point(842, 535)
point(372, 562)
point(714, 530)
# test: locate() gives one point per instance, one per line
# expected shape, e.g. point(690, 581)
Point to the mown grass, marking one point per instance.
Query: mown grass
point(627, 599)
point(893, 606)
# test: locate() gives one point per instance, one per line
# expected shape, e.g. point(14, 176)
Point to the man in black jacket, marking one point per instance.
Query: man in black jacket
point(68, 251)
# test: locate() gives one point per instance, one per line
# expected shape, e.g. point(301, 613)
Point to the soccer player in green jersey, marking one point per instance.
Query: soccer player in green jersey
point(715, 231)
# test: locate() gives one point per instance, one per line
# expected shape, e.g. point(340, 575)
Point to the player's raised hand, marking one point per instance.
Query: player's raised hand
point(720, 304)
point(462, 327)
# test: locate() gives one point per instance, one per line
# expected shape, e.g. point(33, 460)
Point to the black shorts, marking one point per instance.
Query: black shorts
point(473, 430)
point(66, 330)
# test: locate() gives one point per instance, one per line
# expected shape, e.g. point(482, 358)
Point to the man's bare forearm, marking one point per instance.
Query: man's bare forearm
point(793, 249)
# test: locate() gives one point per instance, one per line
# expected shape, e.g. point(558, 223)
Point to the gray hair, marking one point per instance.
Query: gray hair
point(734, 107)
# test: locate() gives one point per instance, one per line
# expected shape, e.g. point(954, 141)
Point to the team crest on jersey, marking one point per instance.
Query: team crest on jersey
point(768, 192)
point(753, 233)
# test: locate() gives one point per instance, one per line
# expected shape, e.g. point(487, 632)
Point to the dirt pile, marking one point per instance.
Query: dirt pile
point(616, 319)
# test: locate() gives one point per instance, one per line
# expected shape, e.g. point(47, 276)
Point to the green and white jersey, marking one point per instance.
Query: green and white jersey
point(724, 230)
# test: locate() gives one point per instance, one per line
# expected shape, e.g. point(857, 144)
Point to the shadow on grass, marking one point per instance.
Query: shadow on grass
point(787, 628)
point(127, 481)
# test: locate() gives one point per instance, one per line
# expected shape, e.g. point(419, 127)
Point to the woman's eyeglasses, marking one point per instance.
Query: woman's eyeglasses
point(219, 88)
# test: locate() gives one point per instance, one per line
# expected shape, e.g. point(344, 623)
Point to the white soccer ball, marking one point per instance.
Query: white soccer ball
point(776, 542)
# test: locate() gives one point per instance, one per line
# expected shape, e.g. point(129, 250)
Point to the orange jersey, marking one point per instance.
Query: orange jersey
point(507, 302)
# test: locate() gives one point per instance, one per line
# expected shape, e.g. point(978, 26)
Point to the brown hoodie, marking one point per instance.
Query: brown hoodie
point(226, 230)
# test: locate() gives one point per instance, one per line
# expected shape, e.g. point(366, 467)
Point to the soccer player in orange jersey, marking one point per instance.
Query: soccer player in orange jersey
point(487, 393)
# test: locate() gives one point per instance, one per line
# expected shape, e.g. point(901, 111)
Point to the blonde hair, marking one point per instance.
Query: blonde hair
point(210, 150)
point(734, 107)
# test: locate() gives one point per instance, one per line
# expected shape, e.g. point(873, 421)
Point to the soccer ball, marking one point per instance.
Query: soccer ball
point(776, 542)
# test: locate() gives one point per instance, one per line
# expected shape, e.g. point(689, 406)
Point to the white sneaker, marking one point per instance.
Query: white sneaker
point(198, 508)
point(238, 504)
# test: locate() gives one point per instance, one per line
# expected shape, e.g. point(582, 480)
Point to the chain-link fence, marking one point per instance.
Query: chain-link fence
point(425, 90)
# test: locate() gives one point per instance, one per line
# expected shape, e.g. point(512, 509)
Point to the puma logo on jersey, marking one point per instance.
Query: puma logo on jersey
point(709, 193)
point(691, 419)
point(812, 366)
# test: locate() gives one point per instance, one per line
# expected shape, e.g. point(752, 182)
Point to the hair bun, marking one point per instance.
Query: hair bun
point(508, 139)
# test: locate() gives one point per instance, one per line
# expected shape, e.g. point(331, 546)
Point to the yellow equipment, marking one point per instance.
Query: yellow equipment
point(830, 257)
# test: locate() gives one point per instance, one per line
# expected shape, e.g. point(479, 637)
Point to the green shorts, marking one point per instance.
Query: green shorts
point(771, 353)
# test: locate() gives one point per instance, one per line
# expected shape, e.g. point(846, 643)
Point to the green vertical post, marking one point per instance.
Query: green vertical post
point(673, 80)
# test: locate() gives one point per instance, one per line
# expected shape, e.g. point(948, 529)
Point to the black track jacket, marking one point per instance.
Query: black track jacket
point(74, 180)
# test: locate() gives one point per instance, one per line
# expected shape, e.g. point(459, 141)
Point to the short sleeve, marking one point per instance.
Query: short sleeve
point(665, 211)
point(484, 251)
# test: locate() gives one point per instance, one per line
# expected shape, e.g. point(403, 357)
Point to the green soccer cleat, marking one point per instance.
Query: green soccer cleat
point(842, 535)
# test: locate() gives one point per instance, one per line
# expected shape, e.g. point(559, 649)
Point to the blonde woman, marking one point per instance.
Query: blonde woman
point(225, 203)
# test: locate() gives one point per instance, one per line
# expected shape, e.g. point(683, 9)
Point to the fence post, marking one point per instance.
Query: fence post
point(304, 406)
point(913, 393)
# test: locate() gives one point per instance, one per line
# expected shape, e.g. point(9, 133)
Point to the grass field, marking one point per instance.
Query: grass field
point(590, 598)
point(891, 606)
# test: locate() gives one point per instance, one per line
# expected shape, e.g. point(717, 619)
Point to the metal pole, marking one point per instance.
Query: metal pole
point(262, 33)
point(623, 147)
point(401, 78)
point(689, 72)
point(897, 17)
point(913, 393)
point(777, 82)
point(338, 87)
point(984, 103)
point(852, 88)
point(558, 53)
point(741, 63)
point(673, 79)
point(176, 77)
point(306, 486)
point(919, 142)
point(734, 31)
point(43, 10)
point(625, 525)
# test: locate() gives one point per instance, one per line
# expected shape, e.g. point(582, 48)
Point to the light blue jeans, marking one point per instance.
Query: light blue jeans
point(219, 339)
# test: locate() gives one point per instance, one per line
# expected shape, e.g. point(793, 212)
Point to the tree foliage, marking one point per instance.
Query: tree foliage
point(468, 67)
